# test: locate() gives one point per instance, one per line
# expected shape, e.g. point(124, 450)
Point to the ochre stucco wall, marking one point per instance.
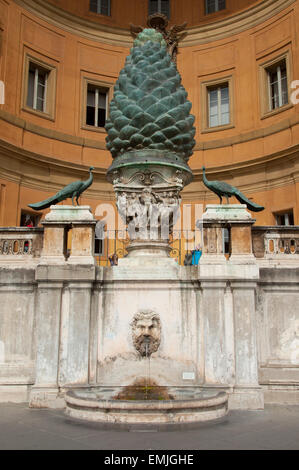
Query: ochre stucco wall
point(136, 11)
point(38, 156)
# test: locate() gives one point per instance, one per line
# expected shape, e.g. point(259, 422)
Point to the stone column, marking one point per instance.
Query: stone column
point(228, 291)
point(63, 307)
point(247, 392)
point(218, 334)
point(75, 335)
point(45, 393)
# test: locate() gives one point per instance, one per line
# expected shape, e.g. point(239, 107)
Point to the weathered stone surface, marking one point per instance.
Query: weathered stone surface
point(241, 240)
point(82, 250)
point(69, 214)
point(86, 405)
point(54, 244)
point(208, 330)
point(57, 223)
point(226, 212)
point(125, 292)
point(226, 324)
point(20, 245)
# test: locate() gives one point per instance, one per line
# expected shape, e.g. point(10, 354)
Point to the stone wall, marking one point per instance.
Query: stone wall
point(229, 324)
point(71, 327)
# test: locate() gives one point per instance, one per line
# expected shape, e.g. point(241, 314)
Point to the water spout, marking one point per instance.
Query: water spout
point(147, 355)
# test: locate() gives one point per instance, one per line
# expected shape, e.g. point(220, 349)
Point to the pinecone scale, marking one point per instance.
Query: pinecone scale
point(150, 109)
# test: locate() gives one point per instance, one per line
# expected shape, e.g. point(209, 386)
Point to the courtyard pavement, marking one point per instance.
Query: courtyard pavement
point(275, 427)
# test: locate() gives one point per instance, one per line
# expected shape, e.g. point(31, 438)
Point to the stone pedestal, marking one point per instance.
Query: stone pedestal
point(228, 302)
point(57, 223)
point(54, 243)
point(63, 304)
point(233, 217)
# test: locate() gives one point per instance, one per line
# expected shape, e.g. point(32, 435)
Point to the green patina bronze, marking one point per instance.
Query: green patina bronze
point(223, 189)
point(72, 190)
point(150, 120)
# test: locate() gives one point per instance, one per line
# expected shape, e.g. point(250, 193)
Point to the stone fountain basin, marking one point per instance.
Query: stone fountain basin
point(98, 405)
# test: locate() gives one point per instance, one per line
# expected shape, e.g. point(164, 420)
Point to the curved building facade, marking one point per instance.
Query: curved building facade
point(239, 64)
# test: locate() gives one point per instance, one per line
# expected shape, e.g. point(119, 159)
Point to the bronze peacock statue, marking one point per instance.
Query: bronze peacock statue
point(223, 189)
point(72, 190)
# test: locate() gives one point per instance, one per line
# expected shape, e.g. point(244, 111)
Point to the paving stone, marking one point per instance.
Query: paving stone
point(276, 427)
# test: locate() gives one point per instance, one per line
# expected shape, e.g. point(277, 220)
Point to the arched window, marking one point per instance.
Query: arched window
point(159, 6)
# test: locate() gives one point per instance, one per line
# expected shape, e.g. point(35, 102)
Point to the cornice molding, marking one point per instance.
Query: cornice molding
point(251, 188)
point(76, 25)
point(116, 36)
point(50, 133)
point(13, 159)
point(288, 158)
point(242, 21)
point(37, 159)
point(95, 144)
point(250, 166)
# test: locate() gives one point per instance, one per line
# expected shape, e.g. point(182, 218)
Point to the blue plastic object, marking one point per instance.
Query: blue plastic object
point(196, 254)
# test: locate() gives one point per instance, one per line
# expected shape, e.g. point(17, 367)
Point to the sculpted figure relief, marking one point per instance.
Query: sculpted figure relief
point(148, 212)
point(146, 332)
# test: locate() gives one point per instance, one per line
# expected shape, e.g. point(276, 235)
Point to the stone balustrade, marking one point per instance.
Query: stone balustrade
point(20, 243)
point(275, 241)
point(23, 243)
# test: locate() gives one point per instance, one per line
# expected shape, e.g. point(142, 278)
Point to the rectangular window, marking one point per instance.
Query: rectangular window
point(102, 7)
point(96, 106)
point(37, 88)
point(275, 81)
point(218, 105)
point(214, 5)
point(284, 218)
point(277, 85)
point(159, 6)
point(28, 219)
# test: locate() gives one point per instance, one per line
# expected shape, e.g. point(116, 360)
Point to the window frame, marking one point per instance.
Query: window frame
point(219, 104)
point(216, 10)
point(205, 111)
point(100, 13)
point(98, 84)
point(265, 93)
point(36, 83)
point(50, 98)
point(159, 7)
point(34, 216)
point(287, 212)
point(97, 91)
point(277, 68)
